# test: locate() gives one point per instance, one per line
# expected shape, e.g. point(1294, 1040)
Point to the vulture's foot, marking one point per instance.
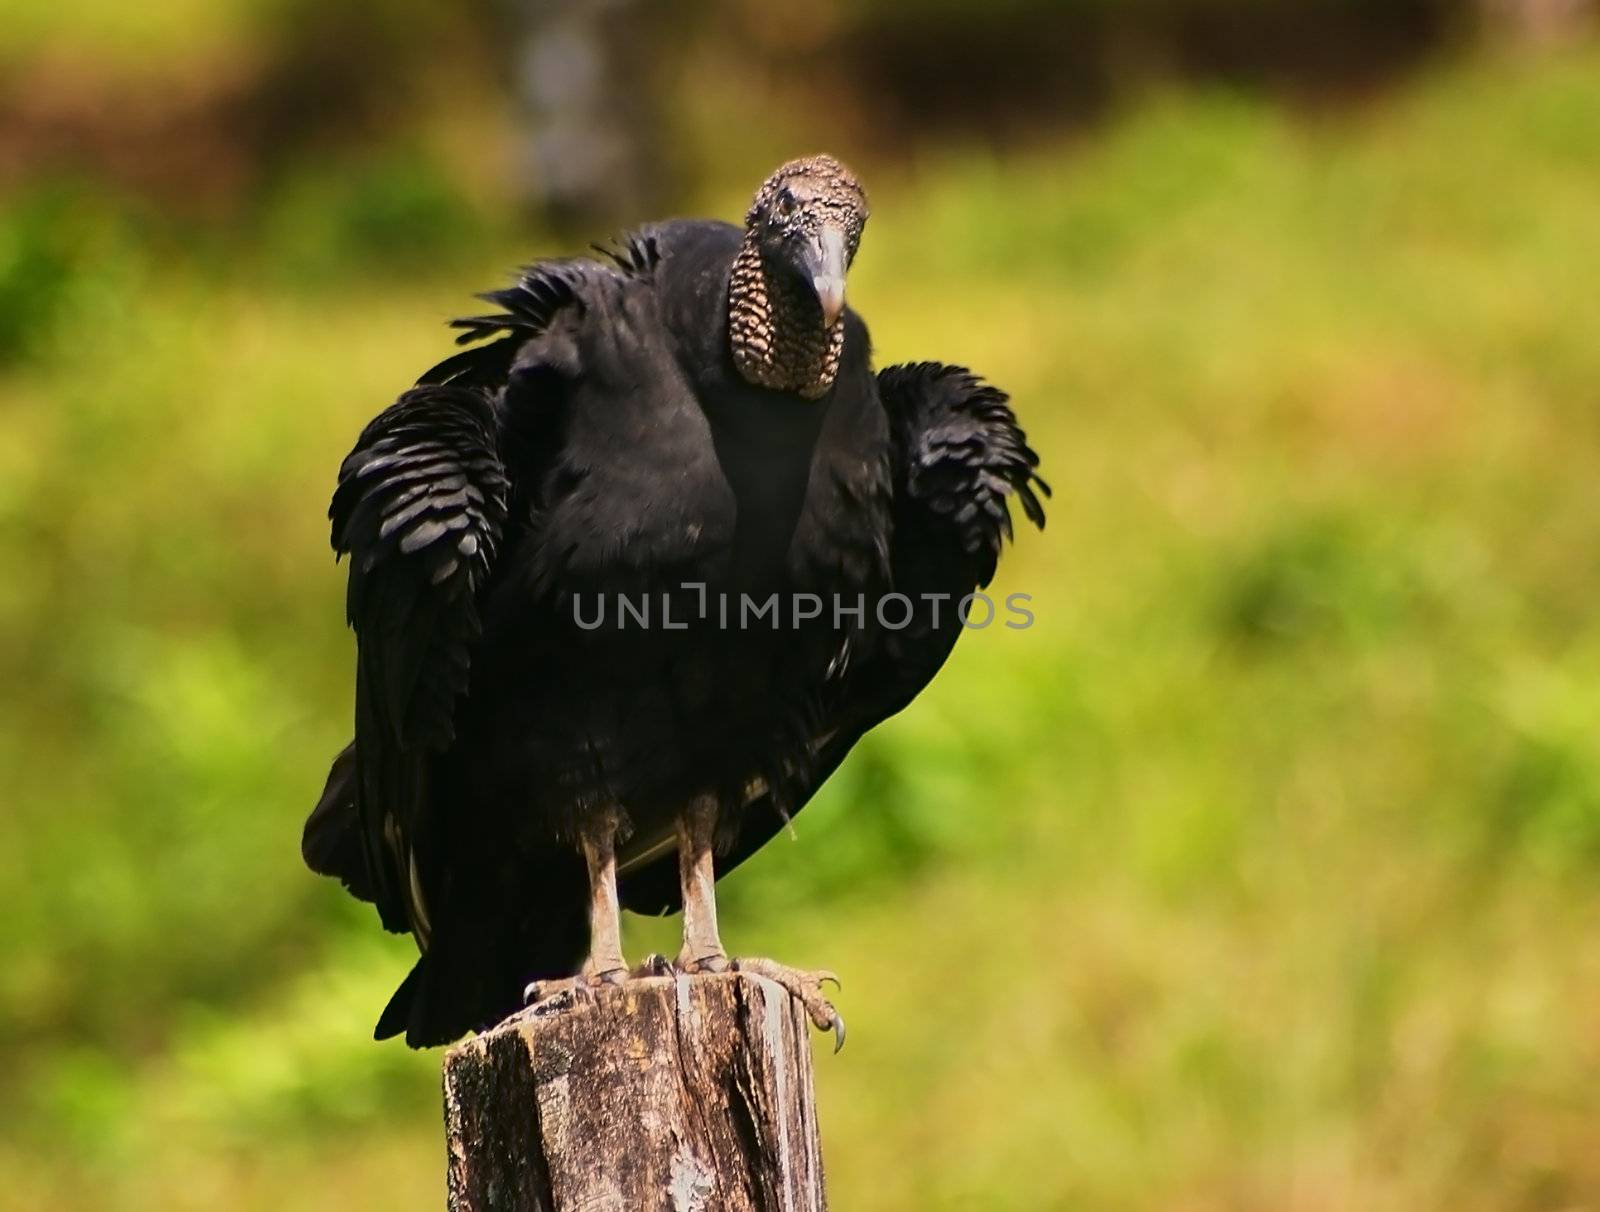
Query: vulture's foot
point(653, 965)
point(589, 978)
point(805, 988)
point(693, 965)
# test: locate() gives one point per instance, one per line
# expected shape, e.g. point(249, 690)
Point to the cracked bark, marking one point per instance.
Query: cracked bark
point(686, 1094)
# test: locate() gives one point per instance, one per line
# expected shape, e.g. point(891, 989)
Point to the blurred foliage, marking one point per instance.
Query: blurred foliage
point(205, 107)
point(58, 246)
point(1260, 873)
point(400, 210)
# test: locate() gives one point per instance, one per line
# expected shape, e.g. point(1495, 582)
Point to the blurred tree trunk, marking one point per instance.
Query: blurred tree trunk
point(584, 80)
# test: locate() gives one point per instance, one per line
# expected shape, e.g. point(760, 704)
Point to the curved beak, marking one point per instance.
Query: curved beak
point(824, 262)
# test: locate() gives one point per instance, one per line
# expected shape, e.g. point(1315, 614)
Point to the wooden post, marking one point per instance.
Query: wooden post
point(685, 1094)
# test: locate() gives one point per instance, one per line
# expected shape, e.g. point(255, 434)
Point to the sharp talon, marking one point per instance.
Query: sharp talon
point(654, 965)
point(546, 993)
point(824, 978)
point(838, 1031)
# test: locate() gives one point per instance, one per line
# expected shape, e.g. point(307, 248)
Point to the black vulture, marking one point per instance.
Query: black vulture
point(630, 574)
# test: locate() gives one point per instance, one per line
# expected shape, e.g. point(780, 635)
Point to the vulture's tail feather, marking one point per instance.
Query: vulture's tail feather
point(472, 977)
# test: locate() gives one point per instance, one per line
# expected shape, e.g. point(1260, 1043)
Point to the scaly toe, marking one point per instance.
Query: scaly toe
point(805, 988)
point(602, 977)
point(705, 963)
point(575, 988)
point(535, 992)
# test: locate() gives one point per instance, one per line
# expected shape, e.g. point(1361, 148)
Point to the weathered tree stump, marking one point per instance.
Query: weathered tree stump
point(685, 1094)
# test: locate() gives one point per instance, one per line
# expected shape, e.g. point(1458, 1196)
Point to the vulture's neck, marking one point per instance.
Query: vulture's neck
point(776, 331)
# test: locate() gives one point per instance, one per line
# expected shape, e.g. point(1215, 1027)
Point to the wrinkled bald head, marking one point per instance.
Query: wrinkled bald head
point(807, 219)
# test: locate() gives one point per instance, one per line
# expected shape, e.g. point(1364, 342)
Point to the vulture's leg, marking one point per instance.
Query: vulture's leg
point(605, 965)
point(702, 946)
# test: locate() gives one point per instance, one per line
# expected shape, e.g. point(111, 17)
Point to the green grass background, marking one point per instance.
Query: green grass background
point(1261, 873)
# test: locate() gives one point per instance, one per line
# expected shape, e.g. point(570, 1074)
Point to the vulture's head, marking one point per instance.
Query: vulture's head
point(807, 220)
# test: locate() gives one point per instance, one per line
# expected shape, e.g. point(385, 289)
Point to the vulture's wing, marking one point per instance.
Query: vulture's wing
point(959, 459)
point(534, 327)
point(422, 505)
point(419, 509)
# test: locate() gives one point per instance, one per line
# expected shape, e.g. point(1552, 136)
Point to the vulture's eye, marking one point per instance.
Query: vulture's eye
point(786, 205)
